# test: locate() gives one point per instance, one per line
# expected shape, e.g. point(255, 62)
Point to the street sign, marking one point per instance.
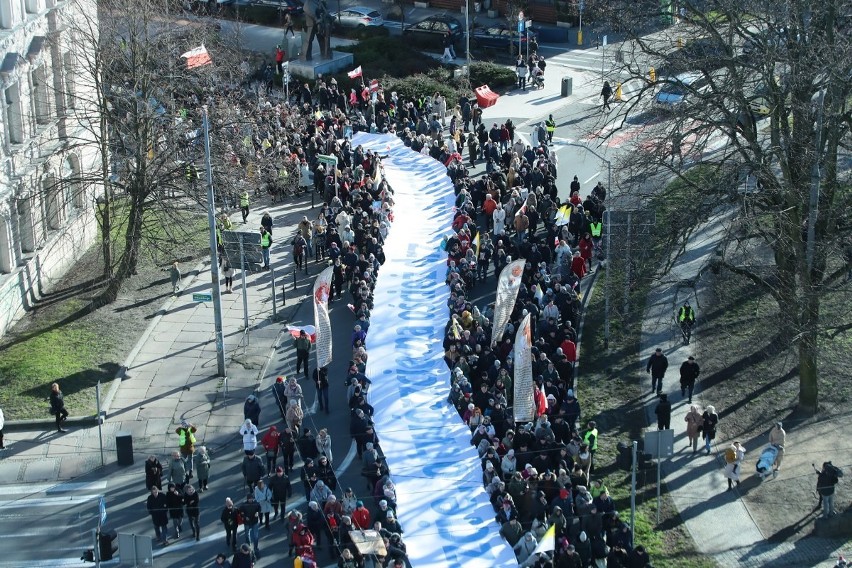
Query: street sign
point(604, 41)
point(135, 549)
point(202, 297)
point(520, 26)
point(659, 443)
point(324, 159)
point(102, 509)
point(582, 5)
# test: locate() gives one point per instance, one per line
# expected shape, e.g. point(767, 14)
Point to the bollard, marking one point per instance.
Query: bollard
point(618, 93)
point(274, 306)
point(652, 74)
point(579, 37)
point(294, 277)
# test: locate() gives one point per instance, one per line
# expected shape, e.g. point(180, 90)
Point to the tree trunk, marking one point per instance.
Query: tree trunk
point(808, 347)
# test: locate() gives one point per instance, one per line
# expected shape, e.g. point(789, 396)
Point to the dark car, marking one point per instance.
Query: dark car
point(293, 7)
point(430, 31)
point(500, 37)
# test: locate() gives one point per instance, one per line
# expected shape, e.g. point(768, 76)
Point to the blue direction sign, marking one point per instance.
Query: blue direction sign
point(202, 297)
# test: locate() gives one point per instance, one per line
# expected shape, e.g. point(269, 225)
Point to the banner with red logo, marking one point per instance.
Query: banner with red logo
point(321, 319)
point(507, 292)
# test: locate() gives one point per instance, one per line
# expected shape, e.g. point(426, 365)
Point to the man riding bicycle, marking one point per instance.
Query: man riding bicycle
point(686, 319)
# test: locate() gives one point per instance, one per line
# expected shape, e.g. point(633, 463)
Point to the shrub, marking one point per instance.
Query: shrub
point(421, 85)
point(390, 56)
point(491, 74)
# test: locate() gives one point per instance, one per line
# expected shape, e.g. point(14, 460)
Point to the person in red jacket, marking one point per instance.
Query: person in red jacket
point(578, 265)
point(361, 516)
point(279, 59)
point(587, 246)
point(303, 541)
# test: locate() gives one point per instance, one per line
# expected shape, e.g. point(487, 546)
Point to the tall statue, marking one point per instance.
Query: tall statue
point(317, 25)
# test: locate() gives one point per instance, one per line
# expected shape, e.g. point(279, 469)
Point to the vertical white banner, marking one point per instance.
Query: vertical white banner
point(322, 322)
point(507, 292)
point(524, 403)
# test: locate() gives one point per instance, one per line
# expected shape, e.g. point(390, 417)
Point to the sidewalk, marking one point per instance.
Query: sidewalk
point(718, 520)
point(171, 373)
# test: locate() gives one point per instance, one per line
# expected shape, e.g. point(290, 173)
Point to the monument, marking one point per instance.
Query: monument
point(318, 22)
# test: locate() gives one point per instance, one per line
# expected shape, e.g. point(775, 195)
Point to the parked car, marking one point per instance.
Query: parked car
point(292, 7)
point(358, 17)
point(431, 30)
point(676, 91)
point(500, 37)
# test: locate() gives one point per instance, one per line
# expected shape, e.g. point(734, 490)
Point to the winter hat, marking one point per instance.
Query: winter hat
point(563, 493)
point(279, 380)
point(390, 514)
point(184, 423)
point(583, 536)
point(489, 466)
point(359, 503)
point(383, 503)
point(571, 393)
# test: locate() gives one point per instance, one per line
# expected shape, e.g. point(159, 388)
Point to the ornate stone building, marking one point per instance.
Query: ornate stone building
point(49, 160)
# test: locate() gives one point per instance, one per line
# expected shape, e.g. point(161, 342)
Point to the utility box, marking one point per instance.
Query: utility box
point(124, 448)
point(567, 86)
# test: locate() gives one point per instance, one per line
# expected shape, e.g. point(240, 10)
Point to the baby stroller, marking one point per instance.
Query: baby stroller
point(766, 461)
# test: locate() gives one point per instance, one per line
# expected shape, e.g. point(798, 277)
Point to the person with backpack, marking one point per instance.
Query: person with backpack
point(299, 245)
point(733, 458)
point(827, 478)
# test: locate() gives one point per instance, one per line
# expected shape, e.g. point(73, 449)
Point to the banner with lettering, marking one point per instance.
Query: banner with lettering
point(523, 404)
point(442, 503)
point(508, 284)
point(321, 320)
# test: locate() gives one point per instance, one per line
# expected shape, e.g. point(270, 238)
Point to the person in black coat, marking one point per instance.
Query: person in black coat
point(174, 499)
point(281, 489)
point(57, 406)
point(689, 372)
point(287, 442)
point(158, 508)
point(153, 473)
point(251, 410)
point(193, 510)
point(664, 413)
point(657, 365)
point(229, 520)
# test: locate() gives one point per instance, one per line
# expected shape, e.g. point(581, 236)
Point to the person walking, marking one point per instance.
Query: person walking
point(191, 501)
point(263, 496)
point(689, 372)
point(250, 512)
point(324, 444)
point(158, 508)
point(244, 204)
point(303, 351)
point(663, 412)
point(251, 409)
point(279, 56)
point(710, 420)
point(606, 95)
point(827, 478)
point(57, 407)
point(2, 423)
point(590, 438)
point(265, 244)
point(522, 70)
point(281, 489)
point(657, 365)
point(550, 125)
point(178, 475)
point(271, 442)
point(175, 276)
point(253, 470)
point(288, 25)
point(778, 438)
point(228, 273)
point(202, 467)
point(153, 473)
point(221, 561)
point(249, 433)
point(174, 499)
point(186, 445)
point(694, 422)
point(230, 519)
point(733, 459)
point(321, 382)
point(295, 415)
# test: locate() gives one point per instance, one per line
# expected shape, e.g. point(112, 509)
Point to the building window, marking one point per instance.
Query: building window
point(41, 95)
point(7, 253)
point(26, 225)
point(68, 63)
point(14, 117)
point(11, 13)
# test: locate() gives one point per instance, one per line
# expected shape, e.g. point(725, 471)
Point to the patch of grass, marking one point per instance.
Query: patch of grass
point(62, 348)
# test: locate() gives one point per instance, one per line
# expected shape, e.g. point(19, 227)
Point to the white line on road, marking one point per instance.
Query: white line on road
point(33, 488)
point(72, 500)
point(597, 173)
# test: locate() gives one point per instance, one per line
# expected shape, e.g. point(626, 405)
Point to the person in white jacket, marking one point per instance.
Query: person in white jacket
point(249, 433)
point(324, 444)
point(499, 218)
point(263, 496)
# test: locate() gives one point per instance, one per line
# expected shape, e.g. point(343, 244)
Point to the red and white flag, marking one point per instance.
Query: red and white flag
point(197, 57)
point(322, 286)
point(374, 85)
point(296, 331)
point(355, 73)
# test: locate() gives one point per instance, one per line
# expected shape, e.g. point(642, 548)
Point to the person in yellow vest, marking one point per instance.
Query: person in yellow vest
point(596, 230)
point(590, 437)
point(191, 175)
point(186, 445)
point(244, 204)
point(265, 243)
point(550, 125)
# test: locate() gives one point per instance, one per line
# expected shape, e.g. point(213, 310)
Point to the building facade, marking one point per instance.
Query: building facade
point(49, 157)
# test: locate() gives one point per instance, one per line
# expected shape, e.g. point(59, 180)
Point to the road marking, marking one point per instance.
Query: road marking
point(33, 488)
point(72, 500)
point(597, 173)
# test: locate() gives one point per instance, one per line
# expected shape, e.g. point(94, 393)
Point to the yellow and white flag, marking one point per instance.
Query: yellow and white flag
point(547, 542)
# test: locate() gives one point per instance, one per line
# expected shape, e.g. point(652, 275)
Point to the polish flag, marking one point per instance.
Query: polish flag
point(296, 330)
point(374, 85)
point(197, 57)
point(355, 73)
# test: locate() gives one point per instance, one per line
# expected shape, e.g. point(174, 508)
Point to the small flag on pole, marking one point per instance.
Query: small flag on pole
point(547, 542)
point(296, 330)
point(455, 328)
point(374, 85)
point(197, 57)
point(538, 293)
point(355, 73)
point(476, 243)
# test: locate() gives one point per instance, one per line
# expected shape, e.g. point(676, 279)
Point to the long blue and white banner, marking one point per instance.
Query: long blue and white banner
point(442, 504)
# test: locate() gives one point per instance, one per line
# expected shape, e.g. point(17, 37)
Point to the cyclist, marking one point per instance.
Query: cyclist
point(686, 319)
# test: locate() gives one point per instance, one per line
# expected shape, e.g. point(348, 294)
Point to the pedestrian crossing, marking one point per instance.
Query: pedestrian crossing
point(581, 59)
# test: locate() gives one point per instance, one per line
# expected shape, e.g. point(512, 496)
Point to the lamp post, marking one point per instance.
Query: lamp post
point(214, 253)
point(606, 220)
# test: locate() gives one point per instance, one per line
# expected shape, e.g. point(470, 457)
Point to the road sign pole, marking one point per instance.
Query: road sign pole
point(243, 276)
point(214, 252)
point(633, 492)
point(100, 421)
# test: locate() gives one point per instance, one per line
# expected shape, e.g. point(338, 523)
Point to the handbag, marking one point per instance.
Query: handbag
point(239, 517)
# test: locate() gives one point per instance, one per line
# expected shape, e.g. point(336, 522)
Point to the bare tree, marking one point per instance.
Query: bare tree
point(766, 98)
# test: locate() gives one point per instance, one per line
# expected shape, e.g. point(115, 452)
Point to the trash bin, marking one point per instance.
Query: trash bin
point(567, 86)
point(124, 448)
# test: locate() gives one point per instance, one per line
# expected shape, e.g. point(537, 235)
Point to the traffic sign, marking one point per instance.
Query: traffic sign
point(604, 41)
point(582, 5)
point(324, 159)
point(202, 297)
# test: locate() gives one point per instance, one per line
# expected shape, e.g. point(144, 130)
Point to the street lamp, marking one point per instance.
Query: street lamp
point(608, 231)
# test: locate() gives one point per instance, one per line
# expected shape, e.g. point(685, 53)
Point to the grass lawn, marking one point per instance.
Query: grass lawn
point(64, 340)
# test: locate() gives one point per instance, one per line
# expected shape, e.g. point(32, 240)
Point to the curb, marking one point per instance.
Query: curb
point(585, 303)
point(120, 374)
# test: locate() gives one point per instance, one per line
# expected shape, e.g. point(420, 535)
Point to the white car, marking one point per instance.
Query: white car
point(358, 17)
point(676, 90)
